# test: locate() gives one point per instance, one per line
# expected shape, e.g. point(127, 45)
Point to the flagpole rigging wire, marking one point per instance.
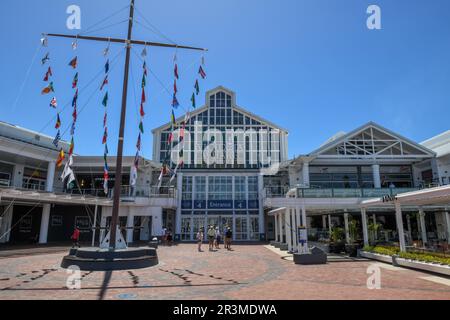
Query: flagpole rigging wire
point(65, 131)
point(103, 20)
point(27, 75)
point(156, 30)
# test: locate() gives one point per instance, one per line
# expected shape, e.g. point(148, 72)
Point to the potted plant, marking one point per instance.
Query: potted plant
point(373, 230)
point(351, 248)
point(337, 244)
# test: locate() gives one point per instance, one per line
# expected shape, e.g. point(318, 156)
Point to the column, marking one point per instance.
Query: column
point(376, 176)
point(364, 226)
point(324, 222)
point(50, 176)
point(178, 214)
point(375, 233)
point(329, 223)
point(294, 229)
point(287, 228)
point(103, 225)
point(280, 224)
point(347, 233)
point(299, 224)
point(262, 225)
point(130, 226)
point(408, 224)
point(18, 175)
point(305, 174)
point(447, 224)
point(399, 220)
point(305, 248)
point(5, 228)
point(45, 219)
point(276, 227)
point(423, 228)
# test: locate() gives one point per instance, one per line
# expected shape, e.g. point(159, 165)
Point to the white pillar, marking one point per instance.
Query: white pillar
point(94, 225)
point(324, 222)
point(408, 223)
point(329, 223)
point(364, 226)
point(130, 225)
point(262, 224)
point(423, 228)
point(18, 175)
point(45, 219)
point(447, 224)
point(305, 248)
point(50, 176)
point(399, 220)
point(376, 176)
point(180, 196)
point(287, 227)
point(294, 229)
point(305, 174)
point(347, 233)
point(280, 224)
point(5, 227)
point(276, 227)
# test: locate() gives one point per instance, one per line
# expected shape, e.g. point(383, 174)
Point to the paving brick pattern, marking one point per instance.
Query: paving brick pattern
point(248, 272)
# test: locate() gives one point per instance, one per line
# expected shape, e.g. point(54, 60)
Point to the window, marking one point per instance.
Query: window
point(252, 188)
point(220, 188)
point(200, 188)
point(187, 188)
point(239, 188)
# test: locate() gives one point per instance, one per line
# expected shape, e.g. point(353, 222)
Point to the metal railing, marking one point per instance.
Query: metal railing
point(276, 192)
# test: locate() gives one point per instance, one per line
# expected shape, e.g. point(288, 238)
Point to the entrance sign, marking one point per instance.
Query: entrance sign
point(302, 236)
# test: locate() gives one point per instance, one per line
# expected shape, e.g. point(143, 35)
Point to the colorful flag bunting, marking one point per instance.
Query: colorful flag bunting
point(45, 59)
point(60, 159)
point(75, 99)
point(142, 111)
point(72, 129)
point(145, 68)
point(105, 118)
point(197, 87)
point(138, 144)
point(173, 118)
point(144, 81)
point(107, 66)
point(75, 81)
point(74, 62)
point(202, 72)
point(48, 74)
point(175, 87)
point(175, 102)
point(141, 127)
point(53, 103)
point(71, 148)
point(143, 98)
point(48, 89)
point(58, 122)
point(105, 136)
point(176, 71)
point(105, 82)
point(57, 139)
point(193, 101)
point(105, 99)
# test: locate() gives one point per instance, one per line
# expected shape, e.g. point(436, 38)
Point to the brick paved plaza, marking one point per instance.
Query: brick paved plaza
point(248, 272)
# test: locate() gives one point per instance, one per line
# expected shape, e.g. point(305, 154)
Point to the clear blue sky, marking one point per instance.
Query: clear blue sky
point(310, 66)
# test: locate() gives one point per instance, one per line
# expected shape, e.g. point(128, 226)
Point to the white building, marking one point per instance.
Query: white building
point(236, 173)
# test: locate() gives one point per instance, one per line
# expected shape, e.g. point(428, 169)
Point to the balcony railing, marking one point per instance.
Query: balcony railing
point(276, 192)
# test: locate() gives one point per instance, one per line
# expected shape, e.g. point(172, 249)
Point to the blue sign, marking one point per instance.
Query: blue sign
point(220, 204)
point(200, 204)
point(186, 204)
point(240, 204)
point(253, 204)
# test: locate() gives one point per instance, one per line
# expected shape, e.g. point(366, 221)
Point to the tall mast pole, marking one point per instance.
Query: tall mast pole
point(118, 172)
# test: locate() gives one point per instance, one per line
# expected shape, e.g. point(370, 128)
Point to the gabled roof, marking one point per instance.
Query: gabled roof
point(233, 105)
point(384, 141)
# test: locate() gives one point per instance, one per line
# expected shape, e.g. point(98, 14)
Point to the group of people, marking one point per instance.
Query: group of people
point(214, 238)
point(167, 237)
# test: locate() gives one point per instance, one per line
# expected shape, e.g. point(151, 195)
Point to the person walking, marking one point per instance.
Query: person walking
point(228, 237)
point(199, 238)
point(217, 238)
point(211, 234)
point(75, 238)
point(169, 238)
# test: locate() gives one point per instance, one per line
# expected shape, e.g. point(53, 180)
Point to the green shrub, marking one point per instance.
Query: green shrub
point(418, 256)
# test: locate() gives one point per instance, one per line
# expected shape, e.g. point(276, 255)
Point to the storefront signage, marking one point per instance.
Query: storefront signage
point(220, 204)
point(240, 204)
point(186, 204)
point(57, 221)
point(200, 204)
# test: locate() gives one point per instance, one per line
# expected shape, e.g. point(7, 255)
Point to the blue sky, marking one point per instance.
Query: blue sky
point(311, 66)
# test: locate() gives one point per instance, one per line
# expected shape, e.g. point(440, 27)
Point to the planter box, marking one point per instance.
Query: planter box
point(412, 264)
point(424, 266)
point(376, 256)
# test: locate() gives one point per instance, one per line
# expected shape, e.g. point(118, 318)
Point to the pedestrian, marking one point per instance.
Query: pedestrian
point(199, 238)
point(211, 235)
point(164, 236)
point(75, 238)
point(217, 240)
point(228, 237)
point(169, 237)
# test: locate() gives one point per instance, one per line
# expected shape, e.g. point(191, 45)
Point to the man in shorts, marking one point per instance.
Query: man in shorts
point(211, 235)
